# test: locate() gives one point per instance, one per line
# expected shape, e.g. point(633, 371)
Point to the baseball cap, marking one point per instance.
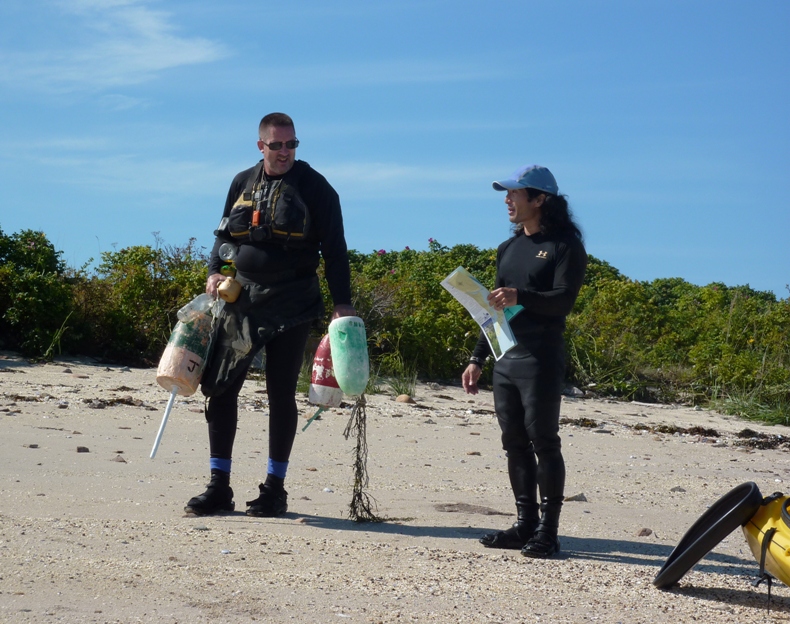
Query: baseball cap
point(529, 176)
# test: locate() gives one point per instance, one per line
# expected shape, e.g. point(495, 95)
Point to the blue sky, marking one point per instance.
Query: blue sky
point(665, 122)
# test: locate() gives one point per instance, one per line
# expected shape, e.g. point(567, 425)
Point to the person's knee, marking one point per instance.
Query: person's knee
point(542, 424)
point(220, 407)
point(547, 446)
point(515, 441)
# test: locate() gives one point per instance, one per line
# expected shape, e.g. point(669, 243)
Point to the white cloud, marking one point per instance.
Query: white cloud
point(106, 43)
point(118, 102)
point(380, 72)
point(355, 180)
point(153, 177)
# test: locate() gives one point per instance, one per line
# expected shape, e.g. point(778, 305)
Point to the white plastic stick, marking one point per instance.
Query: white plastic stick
point(164, 421)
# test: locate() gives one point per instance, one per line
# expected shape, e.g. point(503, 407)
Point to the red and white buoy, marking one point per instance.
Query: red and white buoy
point(324, 390)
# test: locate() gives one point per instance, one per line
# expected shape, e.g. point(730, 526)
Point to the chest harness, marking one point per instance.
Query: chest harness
point(269, 211)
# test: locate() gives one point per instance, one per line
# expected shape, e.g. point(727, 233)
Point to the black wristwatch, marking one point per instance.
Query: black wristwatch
point(476, 361)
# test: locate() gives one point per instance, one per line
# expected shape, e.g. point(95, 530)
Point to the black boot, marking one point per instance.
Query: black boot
point(520, 533)
point(272, 501)
point(545, 542)
point(521, 469)
point(217, 497)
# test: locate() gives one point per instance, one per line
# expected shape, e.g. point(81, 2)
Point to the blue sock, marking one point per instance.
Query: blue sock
point(278, 469)
point(216, 463)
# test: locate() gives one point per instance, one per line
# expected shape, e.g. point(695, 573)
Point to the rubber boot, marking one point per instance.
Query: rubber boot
point(521, 469)
point(217, 497)
point(519, 534)
point(545, 541)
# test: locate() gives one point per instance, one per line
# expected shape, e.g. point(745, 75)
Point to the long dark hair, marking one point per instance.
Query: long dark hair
point(556, 216)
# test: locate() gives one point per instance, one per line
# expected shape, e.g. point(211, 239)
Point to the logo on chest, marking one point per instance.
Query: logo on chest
point(543, 254)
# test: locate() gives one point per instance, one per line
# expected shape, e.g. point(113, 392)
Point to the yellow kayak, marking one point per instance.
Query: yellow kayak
point(768, 534)
point(725, 515)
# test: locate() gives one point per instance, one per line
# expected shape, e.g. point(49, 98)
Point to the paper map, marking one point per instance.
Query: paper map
point(474, 297)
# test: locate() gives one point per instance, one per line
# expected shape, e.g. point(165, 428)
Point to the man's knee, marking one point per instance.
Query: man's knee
point(221, 406)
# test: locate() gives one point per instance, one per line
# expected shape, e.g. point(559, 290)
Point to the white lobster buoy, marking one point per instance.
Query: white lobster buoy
point(324, 390)
point(181, 365)
point(350, 350)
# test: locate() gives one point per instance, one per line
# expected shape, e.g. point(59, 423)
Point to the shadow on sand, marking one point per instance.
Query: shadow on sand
point(626, 553)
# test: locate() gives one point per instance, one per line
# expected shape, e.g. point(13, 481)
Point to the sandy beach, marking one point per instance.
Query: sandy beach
point(93, 530)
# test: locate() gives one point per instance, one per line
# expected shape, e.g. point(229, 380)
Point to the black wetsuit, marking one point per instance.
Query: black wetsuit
point(279, 300)
point(548, 272)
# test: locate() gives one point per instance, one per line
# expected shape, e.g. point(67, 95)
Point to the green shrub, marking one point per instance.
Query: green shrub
point(410, 318)
point(665, 340)
point(130, 303)
point(35, 297)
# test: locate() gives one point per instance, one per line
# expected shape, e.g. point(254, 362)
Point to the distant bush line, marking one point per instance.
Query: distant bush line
point(665, 340)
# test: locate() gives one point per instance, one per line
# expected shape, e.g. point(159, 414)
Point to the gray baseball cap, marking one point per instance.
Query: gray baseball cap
point(529, 176)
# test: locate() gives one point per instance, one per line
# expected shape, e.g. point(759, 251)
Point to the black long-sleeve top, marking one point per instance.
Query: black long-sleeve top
point(326, 237)
point(548, 272)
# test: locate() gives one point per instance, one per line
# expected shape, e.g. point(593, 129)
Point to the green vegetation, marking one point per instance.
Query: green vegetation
point(665, 340)
point(123, 310)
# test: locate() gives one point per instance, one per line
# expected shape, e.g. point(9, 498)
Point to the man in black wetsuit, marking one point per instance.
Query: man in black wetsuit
point(542, 269)
point(279, 217)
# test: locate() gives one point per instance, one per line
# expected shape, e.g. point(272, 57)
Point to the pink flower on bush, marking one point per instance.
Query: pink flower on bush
point(392, 272)
point(408, 248)
point(381, 252)
point(430, 240)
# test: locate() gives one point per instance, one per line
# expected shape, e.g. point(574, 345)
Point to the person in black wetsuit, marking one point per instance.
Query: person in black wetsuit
point(542, 269)
point(279, 216)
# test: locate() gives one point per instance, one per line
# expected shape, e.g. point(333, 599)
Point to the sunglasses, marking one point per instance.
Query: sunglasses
point(278, 145)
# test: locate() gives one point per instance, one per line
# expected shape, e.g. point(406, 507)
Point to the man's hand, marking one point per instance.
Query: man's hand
point(470, 377)
point(343, 310)
point(212, 282)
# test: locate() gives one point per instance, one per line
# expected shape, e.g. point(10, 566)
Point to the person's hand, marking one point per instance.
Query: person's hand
point(212, 282)
point(470, 377)
point(343, 310)
point(502, 298)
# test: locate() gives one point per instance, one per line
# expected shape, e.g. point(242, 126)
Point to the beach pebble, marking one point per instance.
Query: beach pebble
point(404, 398)
point(576, 498)
point(644, 532)
point(83, 449)
point(329, 490)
